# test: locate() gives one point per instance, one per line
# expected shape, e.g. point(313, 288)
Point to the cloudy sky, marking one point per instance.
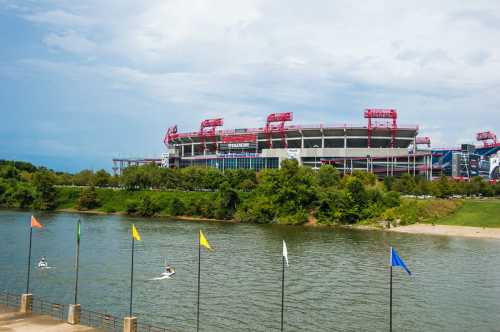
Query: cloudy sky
point(84, 81)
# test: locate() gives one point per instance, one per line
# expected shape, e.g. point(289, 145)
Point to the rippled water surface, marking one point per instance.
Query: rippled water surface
point(337, 279)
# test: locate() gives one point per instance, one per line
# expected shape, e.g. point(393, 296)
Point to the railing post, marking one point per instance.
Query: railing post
point(74, 311)
point(130, 324)
point(26, 303)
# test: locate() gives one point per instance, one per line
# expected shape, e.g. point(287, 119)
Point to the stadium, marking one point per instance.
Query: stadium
point(381, 146)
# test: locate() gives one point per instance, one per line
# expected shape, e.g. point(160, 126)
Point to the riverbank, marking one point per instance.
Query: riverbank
point(157, 216)
point(447, 230)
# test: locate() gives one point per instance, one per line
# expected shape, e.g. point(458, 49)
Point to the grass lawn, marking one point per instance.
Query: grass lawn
point(475, 213)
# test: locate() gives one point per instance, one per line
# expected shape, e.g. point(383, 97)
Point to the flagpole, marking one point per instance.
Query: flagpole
point(131, 278)
point(199, 274)
point(77, 259)
point(390, 295)
point(282, 293)
point(29, 261)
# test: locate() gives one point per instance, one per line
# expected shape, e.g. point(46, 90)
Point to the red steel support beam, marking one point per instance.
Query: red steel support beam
point(271, 126)
point(382, 113)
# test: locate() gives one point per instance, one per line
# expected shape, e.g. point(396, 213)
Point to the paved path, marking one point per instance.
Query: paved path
point(11, 320)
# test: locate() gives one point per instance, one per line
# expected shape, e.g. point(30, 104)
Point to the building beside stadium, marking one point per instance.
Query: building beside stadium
point(381, 146)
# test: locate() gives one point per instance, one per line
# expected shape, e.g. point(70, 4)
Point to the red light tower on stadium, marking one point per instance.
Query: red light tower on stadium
point(488, 138)
point(390, 115)
point(170, 135)
point(207, 131)
point(271, 127)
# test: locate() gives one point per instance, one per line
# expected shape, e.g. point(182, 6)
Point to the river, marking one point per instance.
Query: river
point(337, 279)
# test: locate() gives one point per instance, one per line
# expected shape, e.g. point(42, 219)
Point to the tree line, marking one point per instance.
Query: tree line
point(289, 195)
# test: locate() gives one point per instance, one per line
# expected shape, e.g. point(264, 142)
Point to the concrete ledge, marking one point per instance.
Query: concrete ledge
point(130, 324)
point(26, 303)
point(74, 314)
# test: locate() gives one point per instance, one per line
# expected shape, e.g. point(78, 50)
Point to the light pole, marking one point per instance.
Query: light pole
point(315, 156)
point(206, 157)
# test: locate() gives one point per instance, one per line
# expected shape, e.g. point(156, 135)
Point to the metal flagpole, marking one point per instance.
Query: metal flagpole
point(198, 302)
point(131, 278)
point(29, 261)
point(77, 259)
point(283, 293)
point(390, 295)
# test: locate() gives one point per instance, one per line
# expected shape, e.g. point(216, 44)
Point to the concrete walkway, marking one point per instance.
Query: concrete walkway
point(11, 320)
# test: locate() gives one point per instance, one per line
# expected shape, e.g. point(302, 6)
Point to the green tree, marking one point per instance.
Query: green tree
point(45, 191)
point(228, 201)
point(101, 179)
point(328, 176)
point(176, 207)
point(23, 195)
point(147, 207)
point(88, 199)
point(9, 172)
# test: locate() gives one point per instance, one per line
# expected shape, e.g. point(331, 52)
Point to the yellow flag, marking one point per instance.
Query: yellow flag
point(204, 242)
point(135, 233)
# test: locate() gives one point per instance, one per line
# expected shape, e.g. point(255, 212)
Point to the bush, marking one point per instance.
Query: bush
point(391, 199)
point(88, 199)
point(131, 206)
point(176, 207)
point(147, 207)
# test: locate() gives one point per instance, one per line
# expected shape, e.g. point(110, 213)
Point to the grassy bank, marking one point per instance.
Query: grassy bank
point(165, 203)
point(292, 194)
point(476, 213)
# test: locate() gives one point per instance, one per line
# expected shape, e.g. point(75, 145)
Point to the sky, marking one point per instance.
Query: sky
point(82, 82)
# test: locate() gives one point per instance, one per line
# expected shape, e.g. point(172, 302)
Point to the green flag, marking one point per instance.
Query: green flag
point(78, 231)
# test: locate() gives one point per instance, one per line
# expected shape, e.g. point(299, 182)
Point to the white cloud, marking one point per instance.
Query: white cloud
point(59, 18)
point(431, 60)
point(70, 42)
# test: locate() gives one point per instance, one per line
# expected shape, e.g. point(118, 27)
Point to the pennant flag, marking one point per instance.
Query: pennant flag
point(397, 261)
point(135, 233)
point(35, 223)
point(204, 242)
point(285, 252)
point(78, 231)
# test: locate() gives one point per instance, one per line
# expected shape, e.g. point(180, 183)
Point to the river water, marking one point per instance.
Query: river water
point(337, 279)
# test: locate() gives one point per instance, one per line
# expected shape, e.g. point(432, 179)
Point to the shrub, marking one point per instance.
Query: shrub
point(147, 207)
point(88, 199)
point(177, 207)
point(131, 206)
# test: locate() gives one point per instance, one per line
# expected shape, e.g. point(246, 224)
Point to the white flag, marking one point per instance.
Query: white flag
point(285, 252)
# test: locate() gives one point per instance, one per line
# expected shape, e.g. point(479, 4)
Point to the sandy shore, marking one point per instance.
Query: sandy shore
point(465, 231)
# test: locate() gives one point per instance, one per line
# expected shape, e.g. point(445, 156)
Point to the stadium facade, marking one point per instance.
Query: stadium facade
point(381, 146)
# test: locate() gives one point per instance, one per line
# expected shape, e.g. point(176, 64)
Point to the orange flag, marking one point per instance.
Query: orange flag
point(35, 223)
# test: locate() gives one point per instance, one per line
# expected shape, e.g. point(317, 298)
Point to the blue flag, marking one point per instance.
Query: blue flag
point(397, 261)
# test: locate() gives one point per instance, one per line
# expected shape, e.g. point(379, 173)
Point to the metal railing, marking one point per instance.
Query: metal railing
point(141, 327)
point(10, 300)
point(88, 318)
point(43, 307)
point(101, 321)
